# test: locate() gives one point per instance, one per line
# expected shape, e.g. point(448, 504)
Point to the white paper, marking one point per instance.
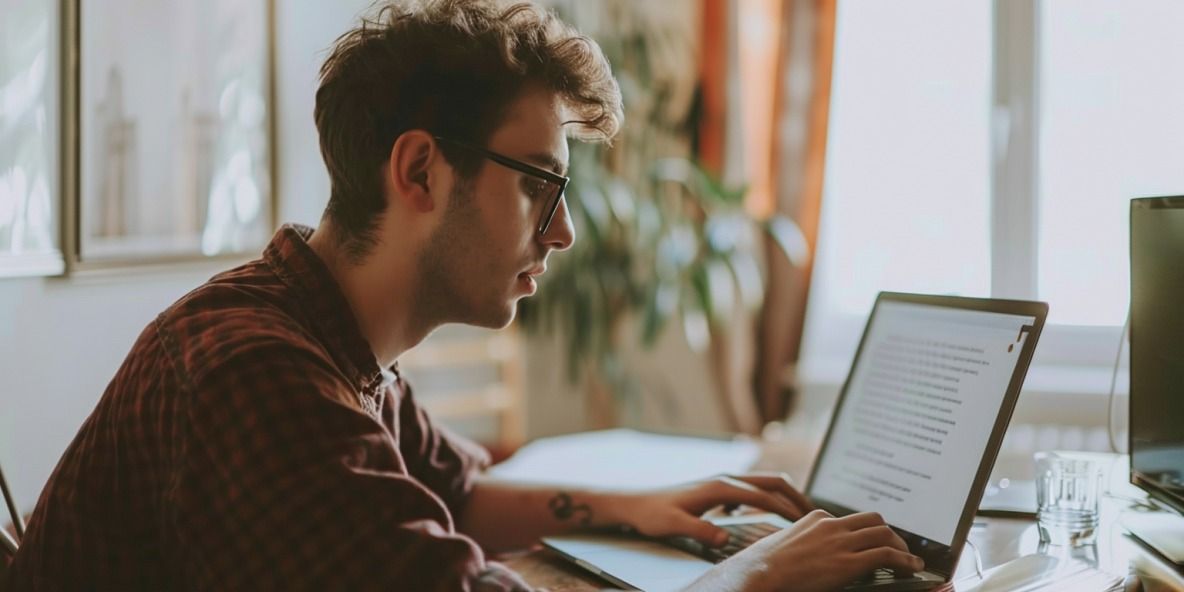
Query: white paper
point(1036, 572)
point(626, 459)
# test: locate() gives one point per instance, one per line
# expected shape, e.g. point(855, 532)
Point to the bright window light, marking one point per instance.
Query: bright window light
point(906, 204)
point(1112, 127)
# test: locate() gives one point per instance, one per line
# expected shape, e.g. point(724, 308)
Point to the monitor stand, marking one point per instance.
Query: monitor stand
point(1163, 531)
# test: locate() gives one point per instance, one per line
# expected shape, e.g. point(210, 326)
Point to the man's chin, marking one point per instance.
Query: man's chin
point(507, 316)
point(495, 319)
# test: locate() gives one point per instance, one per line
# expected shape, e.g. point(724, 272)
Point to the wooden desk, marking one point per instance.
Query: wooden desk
point(998, 540)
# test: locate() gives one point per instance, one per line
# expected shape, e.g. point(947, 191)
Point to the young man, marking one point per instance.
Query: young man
point(259, 436)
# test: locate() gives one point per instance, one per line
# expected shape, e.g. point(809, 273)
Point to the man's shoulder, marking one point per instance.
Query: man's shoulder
point(231, 318)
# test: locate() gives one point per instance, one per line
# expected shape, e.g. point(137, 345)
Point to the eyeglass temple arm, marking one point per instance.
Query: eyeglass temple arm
point(9, 543)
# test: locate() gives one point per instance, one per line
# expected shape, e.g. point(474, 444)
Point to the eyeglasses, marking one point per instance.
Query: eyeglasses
point(547, 187)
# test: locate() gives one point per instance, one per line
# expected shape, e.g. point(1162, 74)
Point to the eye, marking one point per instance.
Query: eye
point(534, 187)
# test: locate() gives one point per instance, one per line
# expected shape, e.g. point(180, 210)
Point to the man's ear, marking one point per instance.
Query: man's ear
point(409, 169)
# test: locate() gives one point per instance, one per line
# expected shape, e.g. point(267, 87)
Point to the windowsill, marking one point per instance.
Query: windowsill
point(1060, 394)
point(1059, 379)
point(1074, 380)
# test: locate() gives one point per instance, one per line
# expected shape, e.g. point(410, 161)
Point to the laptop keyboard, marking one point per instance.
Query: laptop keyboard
point(740, 537)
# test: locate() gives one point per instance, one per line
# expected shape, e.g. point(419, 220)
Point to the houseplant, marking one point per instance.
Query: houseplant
point(660, 238)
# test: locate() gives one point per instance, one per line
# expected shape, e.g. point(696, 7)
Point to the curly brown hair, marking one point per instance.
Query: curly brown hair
point(451, 67)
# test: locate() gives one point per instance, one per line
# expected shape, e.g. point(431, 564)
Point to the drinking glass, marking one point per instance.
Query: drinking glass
point(1067, 489)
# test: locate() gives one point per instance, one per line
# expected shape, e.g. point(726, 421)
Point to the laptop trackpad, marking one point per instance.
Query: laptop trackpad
point(642, 564)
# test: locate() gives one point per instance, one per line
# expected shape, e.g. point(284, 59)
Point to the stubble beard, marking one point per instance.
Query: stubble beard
point(446, 267)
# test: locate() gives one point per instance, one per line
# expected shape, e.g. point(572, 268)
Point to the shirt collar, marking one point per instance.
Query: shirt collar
point(329, 313)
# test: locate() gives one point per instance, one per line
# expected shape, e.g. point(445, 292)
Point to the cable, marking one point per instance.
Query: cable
point(1113, 381)
point(978, 559)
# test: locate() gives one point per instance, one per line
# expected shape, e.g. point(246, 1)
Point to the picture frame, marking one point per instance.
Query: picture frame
point(30, 123)
point(171, 131)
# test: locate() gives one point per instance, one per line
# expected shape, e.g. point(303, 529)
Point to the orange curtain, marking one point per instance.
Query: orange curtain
point(713, 83)
point(797, 155)
point(783, 52)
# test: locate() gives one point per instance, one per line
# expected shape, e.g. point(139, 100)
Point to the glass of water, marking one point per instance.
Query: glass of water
point(1067, 489)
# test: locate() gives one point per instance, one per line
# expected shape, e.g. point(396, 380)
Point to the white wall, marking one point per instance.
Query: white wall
point(305, 30)
point(62, 339)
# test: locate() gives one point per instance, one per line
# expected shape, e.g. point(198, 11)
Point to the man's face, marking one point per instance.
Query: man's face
point(487, 252)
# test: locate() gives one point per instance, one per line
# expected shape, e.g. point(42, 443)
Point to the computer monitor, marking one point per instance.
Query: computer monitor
point(1157, 348)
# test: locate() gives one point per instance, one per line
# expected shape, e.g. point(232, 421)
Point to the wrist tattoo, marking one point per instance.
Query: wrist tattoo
point(563, 508)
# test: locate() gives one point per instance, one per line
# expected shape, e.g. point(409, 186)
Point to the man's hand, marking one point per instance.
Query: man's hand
point(676, 511)
point(819, 552)
point(507, 516)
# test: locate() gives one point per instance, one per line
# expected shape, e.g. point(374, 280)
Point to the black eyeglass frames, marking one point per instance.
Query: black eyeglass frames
point(553, 185)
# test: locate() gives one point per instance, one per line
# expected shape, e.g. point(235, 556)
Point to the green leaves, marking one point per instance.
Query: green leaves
point(697, 182)
point(679, 246)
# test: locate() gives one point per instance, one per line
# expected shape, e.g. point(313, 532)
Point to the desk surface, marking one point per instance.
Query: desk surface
point(998, 541)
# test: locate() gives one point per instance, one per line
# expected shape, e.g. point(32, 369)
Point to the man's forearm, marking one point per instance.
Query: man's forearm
point(504, 516)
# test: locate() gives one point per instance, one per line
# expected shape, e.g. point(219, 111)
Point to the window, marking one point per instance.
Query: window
point(1111, 128)
point(991, 148)
point(906, 202)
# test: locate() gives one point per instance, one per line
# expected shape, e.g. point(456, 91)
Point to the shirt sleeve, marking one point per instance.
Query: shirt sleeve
point(285, 485)
point(445, 462)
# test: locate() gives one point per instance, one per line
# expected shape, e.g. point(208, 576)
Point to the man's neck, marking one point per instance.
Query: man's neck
point(385, 316)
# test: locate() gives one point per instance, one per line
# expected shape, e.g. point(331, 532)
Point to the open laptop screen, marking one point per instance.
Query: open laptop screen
point(917, 413)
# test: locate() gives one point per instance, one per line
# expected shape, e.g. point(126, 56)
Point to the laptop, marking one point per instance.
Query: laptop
point(914, 436)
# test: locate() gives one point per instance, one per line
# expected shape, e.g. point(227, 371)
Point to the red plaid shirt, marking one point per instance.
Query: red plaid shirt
point(250, 441)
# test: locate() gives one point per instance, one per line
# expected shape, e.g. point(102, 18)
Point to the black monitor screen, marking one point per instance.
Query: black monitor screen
point(1157, 347)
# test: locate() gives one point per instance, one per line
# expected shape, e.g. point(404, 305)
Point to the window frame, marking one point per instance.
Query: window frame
point(1072, 360)
point(1015, 198)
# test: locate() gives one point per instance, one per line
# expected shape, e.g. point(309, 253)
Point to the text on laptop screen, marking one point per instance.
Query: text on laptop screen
point(919, 409)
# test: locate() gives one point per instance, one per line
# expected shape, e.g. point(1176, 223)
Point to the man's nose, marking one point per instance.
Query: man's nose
point(561, 234)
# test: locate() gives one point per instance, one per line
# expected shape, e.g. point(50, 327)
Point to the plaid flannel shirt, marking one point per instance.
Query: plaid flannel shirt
point(250, 441)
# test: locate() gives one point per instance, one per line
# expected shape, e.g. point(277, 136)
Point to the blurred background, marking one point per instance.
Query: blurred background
point(782, 161)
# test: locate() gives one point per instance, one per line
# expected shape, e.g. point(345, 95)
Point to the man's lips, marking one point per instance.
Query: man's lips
point(529, 278)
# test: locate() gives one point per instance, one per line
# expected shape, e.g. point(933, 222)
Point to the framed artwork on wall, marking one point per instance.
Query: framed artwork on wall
point(172, 116)
point(30, 169)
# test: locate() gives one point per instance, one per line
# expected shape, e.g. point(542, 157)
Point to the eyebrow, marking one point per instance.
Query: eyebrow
point(549, 162)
